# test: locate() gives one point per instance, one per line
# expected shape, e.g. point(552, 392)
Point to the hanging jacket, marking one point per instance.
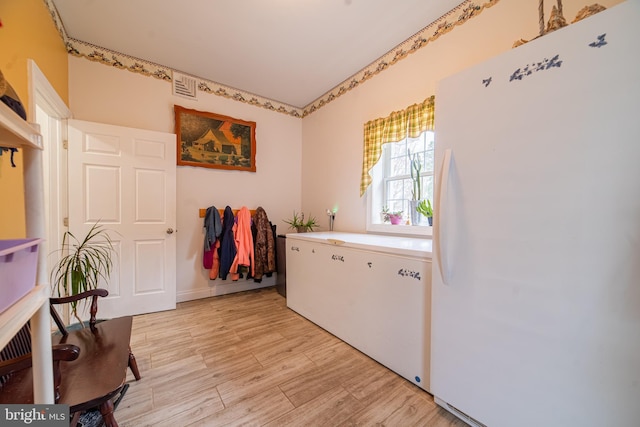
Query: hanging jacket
point(264, 253)
point(215, 263)
point(227, 249)
point(244, 242)
point(213, 228)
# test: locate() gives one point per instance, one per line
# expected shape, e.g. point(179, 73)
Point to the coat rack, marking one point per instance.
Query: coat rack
point(202, 212)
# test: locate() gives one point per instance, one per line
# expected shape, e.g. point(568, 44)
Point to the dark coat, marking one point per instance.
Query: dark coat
point(227, 249)
point(213, 227)
point(264, 252)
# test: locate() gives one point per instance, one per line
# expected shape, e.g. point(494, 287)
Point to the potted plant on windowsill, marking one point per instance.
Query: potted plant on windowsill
point(298, 223)
point(83, 264)
point(425, 208)
point(394, 217)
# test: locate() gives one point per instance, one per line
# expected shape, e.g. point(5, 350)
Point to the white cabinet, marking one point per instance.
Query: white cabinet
point(373, 292)
point(15, 132)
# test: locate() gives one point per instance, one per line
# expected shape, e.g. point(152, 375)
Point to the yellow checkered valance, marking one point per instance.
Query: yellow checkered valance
point(409, 122)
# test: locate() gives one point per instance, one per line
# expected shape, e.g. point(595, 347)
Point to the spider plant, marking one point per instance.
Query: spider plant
point(297, 222)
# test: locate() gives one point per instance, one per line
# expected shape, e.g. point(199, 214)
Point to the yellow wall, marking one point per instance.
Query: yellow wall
point(27, 32)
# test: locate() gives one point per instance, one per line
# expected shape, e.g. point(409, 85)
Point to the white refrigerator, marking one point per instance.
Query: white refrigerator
point(536, 265)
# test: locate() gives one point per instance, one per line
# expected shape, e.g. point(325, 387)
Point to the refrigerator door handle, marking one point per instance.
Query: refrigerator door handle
point(441, 251)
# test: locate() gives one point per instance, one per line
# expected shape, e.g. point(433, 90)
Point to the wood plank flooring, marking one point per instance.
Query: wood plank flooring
point(247, 360)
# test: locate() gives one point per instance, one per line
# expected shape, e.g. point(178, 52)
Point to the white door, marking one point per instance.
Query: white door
point(126, 179)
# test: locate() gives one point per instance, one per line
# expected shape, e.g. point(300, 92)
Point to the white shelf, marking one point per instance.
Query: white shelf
point(13, 318)
point(15, 132)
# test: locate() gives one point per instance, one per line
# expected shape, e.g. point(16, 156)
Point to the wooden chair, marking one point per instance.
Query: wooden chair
point(15, 361)
point(89, 363)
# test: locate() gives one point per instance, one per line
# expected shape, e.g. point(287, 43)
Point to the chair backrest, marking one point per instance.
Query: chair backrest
point(93, 294)
point(19, 345)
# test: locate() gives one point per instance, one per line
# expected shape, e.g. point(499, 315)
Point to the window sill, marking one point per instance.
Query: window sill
point(401, 230)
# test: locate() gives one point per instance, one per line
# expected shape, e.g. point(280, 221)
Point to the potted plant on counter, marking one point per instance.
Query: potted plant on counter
point(298, 223)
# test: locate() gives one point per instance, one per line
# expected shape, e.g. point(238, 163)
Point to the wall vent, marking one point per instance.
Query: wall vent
point(184, 86)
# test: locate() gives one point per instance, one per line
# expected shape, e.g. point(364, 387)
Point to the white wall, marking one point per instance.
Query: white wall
point(333, 135)
point(104, 94)
point(322, 173)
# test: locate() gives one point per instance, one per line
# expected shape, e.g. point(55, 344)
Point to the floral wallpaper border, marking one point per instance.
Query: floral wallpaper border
point(457, 16)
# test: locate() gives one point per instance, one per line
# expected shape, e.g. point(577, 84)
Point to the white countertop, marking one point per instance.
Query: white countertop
point(409, 246)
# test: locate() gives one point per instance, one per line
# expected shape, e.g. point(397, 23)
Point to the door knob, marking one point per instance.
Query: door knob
point(169, 230)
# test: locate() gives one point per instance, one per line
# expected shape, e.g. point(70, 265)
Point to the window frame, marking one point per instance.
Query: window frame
point(376, 195)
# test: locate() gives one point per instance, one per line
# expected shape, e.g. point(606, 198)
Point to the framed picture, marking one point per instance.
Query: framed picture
point(210, 140)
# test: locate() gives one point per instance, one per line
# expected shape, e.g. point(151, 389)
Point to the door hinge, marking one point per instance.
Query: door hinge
point(65, 144)
point(65, 222)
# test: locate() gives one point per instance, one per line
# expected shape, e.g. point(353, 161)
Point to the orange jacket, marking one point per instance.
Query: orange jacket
point(244, 242)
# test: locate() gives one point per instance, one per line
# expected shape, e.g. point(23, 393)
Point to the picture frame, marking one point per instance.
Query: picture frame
point(214, 141)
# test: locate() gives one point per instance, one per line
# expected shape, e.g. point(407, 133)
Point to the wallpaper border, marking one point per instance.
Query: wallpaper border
point(422, 38)
point(446, 23)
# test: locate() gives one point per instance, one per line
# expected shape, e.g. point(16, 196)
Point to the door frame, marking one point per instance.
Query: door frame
point(42, 94)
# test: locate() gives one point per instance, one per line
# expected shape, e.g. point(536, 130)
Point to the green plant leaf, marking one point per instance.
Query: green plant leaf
point(83, 263)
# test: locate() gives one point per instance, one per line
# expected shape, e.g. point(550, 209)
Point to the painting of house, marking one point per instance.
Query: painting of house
point(214, 141)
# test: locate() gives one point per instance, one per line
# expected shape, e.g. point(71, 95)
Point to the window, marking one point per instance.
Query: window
point(392, 186)
point(397, 139)
point(398, 185)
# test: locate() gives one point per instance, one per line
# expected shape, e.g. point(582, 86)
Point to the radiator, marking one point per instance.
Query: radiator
point(19, 345)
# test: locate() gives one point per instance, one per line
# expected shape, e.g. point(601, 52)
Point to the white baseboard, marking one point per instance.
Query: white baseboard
point(190, 295)
point(224, 287)
point(229, 287)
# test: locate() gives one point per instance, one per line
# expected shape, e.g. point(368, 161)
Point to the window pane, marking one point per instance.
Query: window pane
point(398, 167)
point(395, 189)
point(429, 136)
point(408, 187)
point(398, 149)
point(427, 188)
point(415, 145)
point(428, 162)
point(396, 206)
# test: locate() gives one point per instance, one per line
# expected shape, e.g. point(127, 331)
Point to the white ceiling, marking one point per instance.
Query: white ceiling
point(291, 51)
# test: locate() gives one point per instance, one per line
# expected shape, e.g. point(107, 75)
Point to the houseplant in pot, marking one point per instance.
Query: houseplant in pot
point(83, 264)
point(298, 223)
point(425, 208)
point(394, 217)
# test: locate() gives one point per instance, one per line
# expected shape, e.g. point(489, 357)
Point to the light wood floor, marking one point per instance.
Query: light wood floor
point(246, 359)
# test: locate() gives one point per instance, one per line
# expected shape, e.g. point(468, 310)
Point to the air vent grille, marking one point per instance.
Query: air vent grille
point(184, 86)
point(465, 417)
